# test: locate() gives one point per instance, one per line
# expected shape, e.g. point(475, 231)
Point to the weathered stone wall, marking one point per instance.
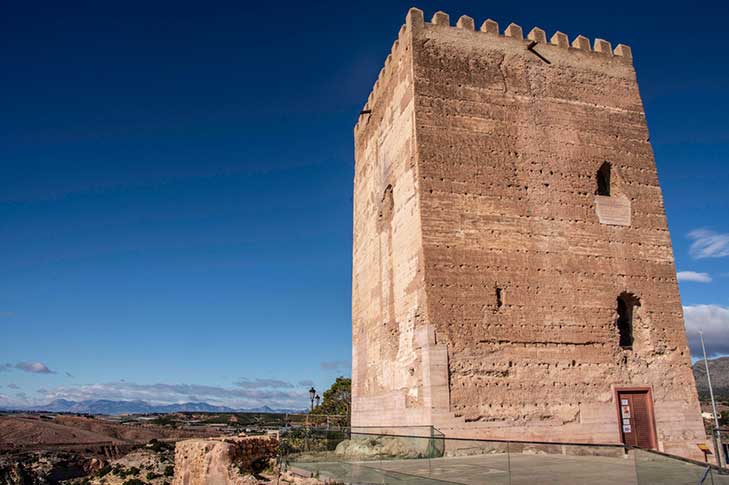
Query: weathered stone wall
point(492, 153)
point(387, 280)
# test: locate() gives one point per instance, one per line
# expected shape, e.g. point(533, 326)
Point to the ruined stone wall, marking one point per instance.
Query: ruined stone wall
point(224, 460)
point(509, 264)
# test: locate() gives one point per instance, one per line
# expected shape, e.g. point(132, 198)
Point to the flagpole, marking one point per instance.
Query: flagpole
point(717, 444)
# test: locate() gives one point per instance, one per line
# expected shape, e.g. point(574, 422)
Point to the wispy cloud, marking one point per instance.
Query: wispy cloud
point(13, 386)
point(34, 367)
point(162, 393)
point(694, 276)
point(336, 365)
point(6, 367)
point(708, 244)
point(714, 321)
point(306, 383)
point(263, 384)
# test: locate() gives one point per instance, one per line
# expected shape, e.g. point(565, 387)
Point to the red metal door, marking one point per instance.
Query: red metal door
point(636, 418)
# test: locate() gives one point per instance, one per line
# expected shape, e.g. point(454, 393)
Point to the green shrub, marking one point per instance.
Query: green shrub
point(160, 446)
point(125, 472)
point(724, 418)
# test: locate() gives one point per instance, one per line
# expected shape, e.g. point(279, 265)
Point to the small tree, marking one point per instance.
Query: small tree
point(337, 399)
point(724, 418)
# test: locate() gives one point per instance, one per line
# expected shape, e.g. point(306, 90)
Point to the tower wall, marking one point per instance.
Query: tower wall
point(387, 278)
point(492, 151)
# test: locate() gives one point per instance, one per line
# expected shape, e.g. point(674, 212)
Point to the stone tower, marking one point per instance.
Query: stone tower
point(513, 272)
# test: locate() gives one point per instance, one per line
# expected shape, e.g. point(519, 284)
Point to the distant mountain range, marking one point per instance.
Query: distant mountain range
point(719, 370)
point(105, 406)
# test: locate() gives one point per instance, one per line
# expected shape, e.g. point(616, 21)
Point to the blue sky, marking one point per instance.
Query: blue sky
point(176, 190)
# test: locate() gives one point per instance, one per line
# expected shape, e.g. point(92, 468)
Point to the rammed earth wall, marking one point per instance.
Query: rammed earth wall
point(487, 264)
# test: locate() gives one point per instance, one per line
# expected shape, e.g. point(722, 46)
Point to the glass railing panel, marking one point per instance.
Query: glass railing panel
point(473, 462)
point(656, 468)
point(362, 457)
point(424, 455)
point(532, 463)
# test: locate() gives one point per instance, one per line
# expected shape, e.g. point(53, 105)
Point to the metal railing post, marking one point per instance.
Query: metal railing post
point(722, 449)
point(716, 438)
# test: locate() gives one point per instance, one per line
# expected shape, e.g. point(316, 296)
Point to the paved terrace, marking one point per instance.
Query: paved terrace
point(516, 469)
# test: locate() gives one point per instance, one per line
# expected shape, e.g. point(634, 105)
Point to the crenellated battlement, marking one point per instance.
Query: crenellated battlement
point(415, 21)
point(415, 17)
point(386, 70)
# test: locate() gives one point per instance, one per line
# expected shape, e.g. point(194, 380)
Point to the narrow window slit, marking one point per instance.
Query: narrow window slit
point(603, 180)
point(626, 304)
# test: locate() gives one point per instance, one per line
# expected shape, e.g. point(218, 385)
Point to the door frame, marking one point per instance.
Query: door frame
point(651, 414)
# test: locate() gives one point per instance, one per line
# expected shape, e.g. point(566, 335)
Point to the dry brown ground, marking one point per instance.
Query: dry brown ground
point(26, 430)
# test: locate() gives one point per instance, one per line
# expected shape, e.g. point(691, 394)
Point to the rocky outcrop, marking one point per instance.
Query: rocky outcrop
point(230, 461)
point(379, 447)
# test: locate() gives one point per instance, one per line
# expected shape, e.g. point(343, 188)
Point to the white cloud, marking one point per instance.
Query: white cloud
point(177, 393)
point(714, 321)
point(34, 367)
point(708, 244)
point(694, 276)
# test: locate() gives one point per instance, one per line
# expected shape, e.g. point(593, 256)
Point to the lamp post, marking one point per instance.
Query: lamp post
point(716, 433)
point(317, 399)
point(312, 396)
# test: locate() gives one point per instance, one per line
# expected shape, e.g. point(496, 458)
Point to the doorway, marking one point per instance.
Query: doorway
point(635, 415)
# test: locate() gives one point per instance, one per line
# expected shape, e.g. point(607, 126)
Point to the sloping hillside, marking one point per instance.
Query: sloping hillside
point(33, 430)
point(19, 430)
point(719, 369)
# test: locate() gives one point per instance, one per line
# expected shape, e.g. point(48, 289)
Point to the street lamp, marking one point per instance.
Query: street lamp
point(317, 398)
point(312, 395)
